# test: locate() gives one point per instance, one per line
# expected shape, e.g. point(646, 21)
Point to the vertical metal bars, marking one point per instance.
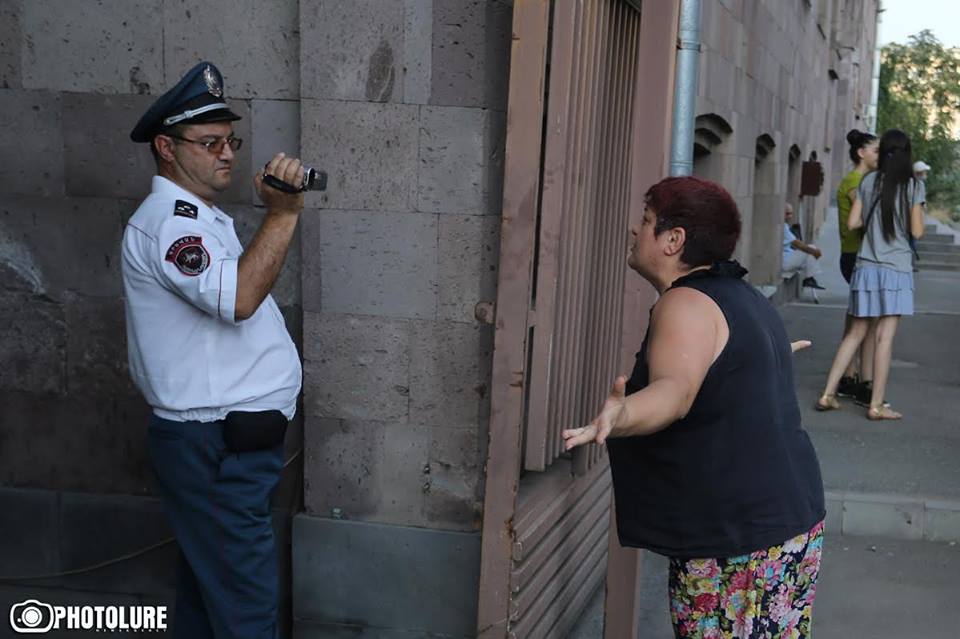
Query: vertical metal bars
point(583, 222)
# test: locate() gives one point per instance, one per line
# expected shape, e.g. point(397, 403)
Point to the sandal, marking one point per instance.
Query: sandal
point(881, 413)
point(827, 402)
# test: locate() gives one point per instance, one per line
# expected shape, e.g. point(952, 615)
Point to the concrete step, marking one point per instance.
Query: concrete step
point(944, 257)
point(943, 247)
point(937, 238)
point(892, 516)
point(937, 266)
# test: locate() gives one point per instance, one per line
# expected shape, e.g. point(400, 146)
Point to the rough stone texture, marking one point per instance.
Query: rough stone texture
point(834, 520)
point(461, 160)
point(311, 277)
point(104, 527)
point(941, 522)
point(96, 348)
point(764, 70)
point(353, 50)
point(286, 290)
point(370, 149)
point(454, 497)
point(418, 51)
point(10, 44)
point(98, 442)
point(275, 128)
point(311, 630)
point(62, 245)
point(337, 561)
point(111, 46)
point(32, 343)
point(471, 53)
point(29, 533)
point(382, 264)
point(896, 520)
point(449, 373)
point(31, 143)
point(469, 251)
point(356, 367)
point(370, 471)
point(255, 45)
point(101, 161)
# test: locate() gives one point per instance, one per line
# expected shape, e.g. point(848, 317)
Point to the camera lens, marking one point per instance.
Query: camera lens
point(313, 180)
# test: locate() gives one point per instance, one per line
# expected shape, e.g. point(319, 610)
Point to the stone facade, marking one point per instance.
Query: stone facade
point(784, 76)
point(403, 103)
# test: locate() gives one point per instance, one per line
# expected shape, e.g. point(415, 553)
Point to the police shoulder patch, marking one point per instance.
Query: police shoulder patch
point(189, 255)
point(185, 209)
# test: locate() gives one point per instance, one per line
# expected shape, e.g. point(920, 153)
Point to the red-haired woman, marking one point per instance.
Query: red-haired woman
point(710, 464)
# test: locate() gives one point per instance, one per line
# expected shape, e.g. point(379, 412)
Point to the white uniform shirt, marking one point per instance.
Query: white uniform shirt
point(189, 356)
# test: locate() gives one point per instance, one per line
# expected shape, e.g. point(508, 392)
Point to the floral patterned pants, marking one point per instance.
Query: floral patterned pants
point(767, 594)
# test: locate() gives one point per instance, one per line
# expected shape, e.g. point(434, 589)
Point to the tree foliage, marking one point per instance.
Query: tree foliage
point(920, 94)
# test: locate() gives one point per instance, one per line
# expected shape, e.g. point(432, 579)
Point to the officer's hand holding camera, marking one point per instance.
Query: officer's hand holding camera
point(288, 171)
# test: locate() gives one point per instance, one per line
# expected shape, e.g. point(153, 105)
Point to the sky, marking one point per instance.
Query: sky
point(903, 18)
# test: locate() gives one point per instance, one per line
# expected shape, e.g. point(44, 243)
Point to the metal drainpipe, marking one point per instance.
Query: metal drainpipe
point(875, 76)
point(685, 89)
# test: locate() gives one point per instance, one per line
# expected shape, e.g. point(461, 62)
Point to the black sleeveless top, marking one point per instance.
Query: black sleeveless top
point(738, 473)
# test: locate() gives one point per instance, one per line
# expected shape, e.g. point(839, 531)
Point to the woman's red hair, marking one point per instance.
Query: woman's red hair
point(704, 210)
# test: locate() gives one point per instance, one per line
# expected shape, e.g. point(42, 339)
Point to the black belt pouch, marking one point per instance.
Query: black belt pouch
point(244, 432)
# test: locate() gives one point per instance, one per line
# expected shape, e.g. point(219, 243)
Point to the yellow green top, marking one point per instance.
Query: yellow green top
point(849, 240)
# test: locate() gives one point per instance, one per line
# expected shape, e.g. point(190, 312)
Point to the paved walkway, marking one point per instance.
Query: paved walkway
point(891, 551)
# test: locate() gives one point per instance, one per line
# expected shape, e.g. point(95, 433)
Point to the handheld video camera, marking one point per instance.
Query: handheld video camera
point(313, 180)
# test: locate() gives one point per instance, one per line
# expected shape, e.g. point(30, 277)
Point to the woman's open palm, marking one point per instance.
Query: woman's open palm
point(598, 429)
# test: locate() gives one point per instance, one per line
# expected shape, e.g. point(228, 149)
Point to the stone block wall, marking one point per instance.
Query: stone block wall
point(74, 79)
point(404, 104)
point(765, 70)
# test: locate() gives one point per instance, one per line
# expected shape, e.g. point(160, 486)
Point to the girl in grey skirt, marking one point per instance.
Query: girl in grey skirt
point(889, 210)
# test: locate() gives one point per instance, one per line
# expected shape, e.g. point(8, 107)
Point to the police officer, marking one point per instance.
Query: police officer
point(210, 352)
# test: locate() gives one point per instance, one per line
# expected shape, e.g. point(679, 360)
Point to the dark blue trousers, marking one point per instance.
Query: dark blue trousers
point(218, 504)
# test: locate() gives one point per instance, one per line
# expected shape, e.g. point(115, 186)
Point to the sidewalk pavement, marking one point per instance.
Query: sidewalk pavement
point(893, 525)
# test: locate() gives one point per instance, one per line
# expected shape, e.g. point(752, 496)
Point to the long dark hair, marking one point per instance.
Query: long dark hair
point(894, 173)
point(857, 140)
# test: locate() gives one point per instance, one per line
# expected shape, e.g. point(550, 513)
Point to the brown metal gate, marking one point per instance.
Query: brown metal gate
point(570, 192)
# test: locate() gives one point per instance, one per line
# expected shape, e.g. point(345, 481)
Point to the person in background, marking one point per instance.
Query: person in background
point(711, 466)
point(864, 155)
point(889, 208)
point(798, 256)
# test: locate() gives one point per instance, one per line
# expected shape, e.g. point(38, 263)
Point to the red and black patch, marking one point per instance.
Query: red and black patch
point(189, 255)
point(185, 209)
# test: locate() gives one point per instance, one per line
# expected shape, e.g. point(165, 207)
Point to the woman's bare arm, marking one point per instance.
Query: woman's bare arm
point(916, 221)
point(855, 221)
point(687, 333)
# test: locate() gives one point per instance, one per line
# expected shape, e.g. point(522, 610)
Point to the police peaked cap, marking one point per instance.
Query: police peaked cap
point(197, 98)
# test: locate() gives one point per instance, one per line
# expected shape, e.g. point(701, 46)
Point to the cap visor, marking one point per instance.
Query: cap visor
point(218, 115)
